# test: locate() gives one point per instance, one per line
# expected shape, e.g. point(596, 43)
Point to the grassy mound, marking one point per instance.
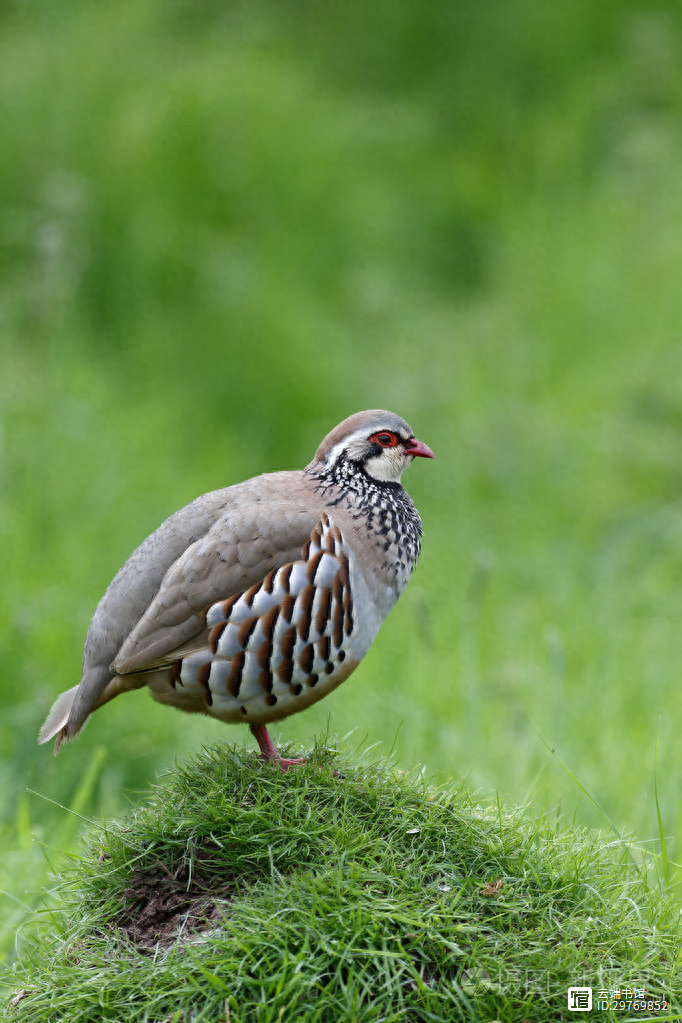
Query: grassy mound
point(238, 893)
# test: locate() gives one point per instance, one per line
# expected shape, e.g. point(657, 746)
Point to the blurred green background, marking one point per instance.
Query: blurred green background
point(225, 227)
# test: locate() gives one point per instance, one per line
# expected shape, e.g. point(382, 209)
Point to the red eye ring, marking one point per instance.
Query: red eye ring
point(384, 439)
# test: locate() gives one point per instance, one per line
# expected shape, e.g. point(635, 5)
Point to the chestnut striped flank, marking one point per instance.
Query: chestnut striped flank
point(323, 612)
point(277, 639)
point(285, 577)
point(337, 622)
point(215, 634)
point(265, 682)
point(285, 672)
point(287, 607)
point(305, 609)
point(269, 581)
point(324, 647)
point(313, 565)
point(203, 676)
point(227, 605)
point(269, 621)
point(287, 644)
point(246, 630)
point(307, 659)
point(234, 679)
point(347, 598)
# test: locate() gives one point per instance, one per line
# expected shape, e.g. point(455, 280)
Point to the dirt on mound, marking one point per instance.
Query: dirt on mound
point(163, 906)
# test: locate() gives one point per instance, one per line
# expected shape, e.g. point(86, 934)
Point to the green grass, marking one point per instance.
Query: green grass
point(225, 227)
point(368, 895)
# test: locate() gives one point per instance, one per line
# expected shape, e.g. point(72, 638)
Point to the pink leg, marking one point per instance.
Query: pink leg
point(268, 751)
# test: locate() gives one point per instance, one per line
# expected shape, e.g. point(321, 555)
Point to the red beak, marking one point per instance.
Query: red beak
point(417, 449)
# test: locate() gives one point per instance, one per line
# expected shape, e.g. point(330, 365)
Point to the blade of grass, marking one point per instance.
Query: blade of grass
point(580, 785)
point(661, 832)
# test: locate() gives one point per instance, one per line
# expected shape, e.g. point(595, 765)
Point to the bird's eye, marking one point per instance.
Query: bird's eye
point(384, 440)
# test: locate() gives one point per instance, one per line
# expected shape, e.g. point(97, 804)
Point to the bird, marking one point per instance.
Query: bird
point(254, 601)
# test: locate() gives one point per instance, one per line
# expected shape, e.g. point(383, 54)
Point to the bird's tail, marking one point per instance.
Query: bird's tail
point(56, 720)
point(71, 710)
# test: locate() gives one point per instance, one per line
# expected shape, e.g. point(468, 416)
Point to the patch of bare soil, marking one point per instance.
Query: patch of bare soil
point(164, 905)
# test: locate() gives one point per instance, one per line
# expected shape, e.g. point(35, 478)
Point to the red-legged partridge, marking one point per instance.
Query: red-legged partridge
point(255, 601)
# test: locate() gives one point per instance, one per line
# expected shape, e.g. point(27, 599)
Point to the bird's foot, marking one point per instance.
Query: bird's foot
point(284, 763)
point(268, 751)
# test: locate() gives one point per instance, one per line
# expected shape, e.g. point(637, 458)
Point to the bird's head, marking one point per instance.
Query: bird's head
point(378, 443)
